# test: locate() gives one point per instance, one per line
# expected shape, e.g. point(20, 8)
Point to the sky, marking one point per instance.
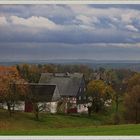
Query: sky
point(44, 32)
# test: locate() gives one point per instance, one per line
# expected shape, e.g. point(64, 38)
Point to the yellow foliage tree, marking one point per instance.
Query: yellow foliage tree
point(99, 93)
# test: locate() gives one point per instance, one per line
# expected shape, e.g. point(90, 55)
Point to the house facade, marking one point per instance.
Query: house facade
point(46, 96)
point(71, 88)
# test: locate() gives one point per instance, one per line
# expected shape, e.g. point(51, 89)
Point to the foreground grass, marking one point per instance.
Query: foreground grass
point(24, 124)
point(100, 130)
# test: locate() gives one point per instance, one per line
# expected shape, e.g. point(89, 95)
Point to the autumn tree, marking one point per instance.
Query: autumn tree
point(99, 94)
point(37, 108)
point(36, 99)
point(30, 73)
point(10, 87)
point(132, 104)
point(132, 99)
point(113, 80)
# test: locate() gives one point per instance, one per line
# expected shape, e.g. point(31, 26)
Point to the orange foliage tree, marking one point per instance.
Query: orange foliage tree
point(12, 87)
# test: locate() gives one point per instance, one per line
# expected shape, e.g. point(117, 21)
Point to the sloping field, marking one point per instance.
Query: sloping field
point(24, 124)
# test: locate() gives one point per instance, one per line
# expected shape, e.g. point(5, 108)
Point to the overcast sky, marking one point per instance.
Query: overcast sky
point(99, 32)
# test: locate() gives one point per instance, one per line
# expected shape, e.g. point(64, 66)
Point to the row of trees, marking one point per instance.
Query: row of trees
point(31, 73)
point(126, 92)
point(132, 99)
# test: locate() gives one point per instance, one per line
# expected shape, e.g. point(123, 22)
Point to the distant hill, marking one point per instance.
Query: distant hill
point(108, 64)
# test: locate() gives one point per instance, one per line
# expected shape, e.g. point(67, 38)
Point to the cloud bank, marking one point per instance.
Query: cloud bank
point(70, 31)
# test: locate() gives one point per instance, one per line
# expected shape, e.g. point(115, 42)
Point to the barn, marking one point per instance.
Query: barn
point(45, 95)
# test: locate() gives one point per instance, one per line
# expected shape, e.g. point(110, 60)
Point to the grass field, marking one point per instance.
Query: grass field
point(92, 130)
point(25, 124)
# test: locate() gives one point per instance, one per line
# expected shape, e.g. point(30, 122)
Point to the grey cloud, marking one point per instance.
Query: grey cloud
point(67, 51)
point(105, 35)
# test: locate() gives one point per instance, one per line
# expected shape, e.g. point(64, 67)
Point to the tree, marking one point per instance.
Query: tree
point(37, 108)
point(10, 87)
point(132, 104)
point(113, 80)
point(132, 99)
point(99, 94)
point(35, 99)
point(133, 81)
point(30, 73)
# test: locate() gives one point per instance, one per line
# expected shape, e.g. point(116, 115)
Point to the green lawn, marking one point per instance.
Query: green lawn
point(24, 124)
point(100, 130)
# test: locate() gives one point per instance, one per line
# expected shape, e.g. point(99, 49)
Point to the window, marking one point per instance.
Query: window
point(84, 89)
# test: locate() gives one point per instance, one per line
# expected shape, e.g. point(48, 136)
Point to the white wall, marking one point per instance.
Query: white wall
point(53, 107)
point(19, 106)
point(49, 107)
point(82, 108)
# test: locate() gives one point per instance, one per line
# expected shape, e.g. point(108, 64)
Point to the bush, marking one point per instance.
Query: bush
point(116, 119)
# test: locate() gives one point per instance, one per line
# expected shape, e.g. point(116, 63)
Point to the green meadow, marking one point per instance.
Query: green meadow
point(60, 124)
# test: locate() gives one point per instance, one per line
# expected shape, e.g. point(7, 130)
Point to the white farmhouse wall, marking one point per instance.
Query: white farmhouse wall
point(53, 107)
point(20, 106)
point(49, 107)
point(82, 108)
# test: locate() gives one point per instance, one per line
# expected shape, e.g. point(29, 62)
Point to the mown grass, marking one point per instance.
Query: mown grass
point(24, 124)
point(130, 129)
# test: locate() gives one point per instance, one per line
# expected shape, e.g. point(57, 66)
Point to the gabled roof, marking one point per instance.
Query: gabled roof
point(68, 84)
point(43, 92)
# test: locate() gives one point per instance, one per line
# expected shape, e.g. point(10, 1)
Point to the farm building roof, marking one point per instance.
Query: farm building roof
point(43, 92)
point(68, 84)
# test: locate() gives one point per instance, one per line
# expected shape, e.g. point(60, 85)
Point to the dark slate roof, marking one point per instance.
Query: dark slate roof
point(68, 84)
point(43, 92)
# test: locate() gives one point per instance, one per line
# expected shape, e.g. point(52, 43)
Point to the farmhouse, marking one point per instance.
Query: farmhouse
point(71, 88)
point(59, 92)
point(46, 96)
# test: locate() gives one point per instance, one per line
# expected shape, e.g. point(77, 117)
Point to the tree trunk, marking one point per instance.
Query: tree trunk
point(36, 111)
point(136, 115)
point(37, 115)
point(9, 109)
point(13, 108)
point(117, 103)
point(89, 111)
